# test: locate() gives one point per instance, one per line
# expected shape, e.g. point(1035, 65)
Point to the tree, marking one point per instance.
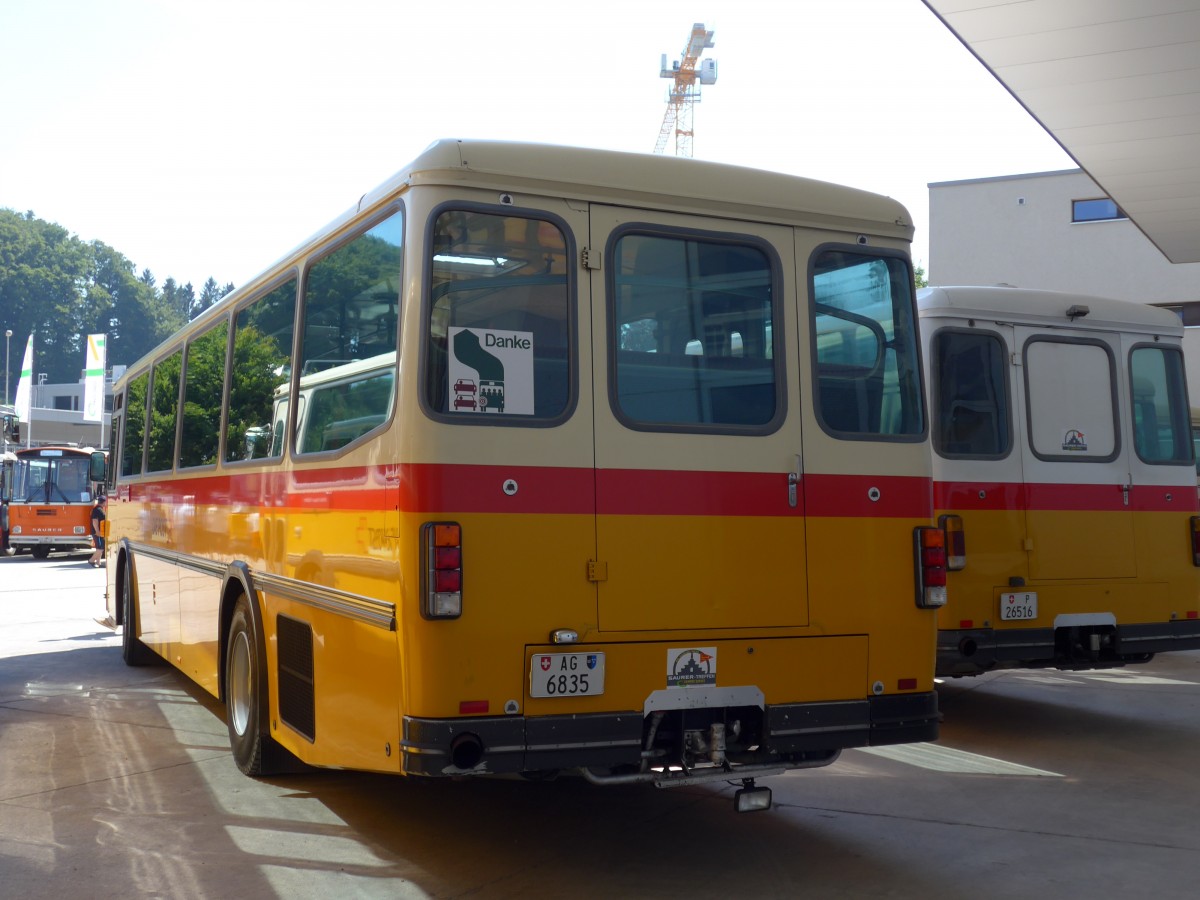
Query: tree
point(209, 294)
point(43, 276)
point(61, 289)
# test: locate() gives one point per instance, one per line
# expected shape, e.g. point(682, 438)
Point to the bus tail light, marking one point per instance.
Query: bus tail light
point(956, 542)
point(930, 565)
point(441, 569)
point(1195, 524)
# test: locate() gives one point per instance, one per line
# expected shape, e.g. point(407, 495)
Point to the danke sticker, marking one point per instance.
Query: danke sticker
point(490, 371)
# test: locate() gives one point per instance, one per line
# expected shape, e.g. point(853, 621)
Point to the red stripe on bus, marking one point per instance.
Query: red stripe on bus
point(550, 490)
point(495, 489)
point(959, 495)
point(868, 496)
point(650, 492)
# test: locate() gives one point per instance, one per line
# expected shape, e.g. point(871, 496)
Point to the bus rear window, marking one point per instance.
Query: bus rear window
point(1161, 425)
point(867, 378)
point(693, 332)
point(498, 346)
point(971, 410)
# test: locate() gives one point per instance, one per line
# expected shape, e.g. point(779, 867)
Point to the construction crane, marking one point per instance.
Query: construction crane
point(685, 91)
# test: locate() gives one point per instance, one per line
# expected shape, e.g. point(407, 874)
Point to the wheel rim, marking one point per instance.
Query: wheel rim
point(239, 683)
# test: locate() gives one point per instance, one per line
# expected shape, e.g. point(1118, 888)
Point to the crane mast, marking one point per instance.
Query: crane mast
point(686, 89)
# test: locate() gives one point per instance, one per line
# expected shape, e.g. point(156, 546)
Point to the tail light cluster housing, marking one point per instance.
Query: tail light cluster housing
point(441, 570)
point(929, 544)
point(956, 542)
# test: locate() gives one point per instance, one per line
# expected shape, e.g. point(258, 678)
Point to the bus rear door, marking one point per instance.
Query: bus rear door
point(699, 520)
point(1076, 466)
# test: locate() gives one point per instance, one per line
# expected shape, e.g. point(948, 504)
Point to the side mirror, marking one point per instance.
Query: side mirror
point(12, 429)
point(97, 466)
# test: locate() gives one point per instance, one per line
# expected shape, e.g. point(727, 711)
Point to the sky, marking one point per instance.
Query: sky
point(210, 138)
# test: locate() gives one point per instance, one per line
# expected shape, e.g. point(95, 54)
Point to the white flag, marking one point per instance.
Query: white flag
point(93, 380)
point(22, 403)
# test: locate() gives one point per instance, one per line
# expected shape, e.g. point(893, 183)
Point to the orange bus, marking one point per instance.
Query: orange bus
point(544, 459)
point(1064, 472)
point(51, 499)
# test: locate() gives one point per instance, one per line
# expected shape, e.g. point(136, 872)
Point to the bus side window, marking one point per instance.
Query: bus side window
point(351, 302)
point(969, 394)
point(164, 412)
point(204, 382)
point(133, 442)
point(261, 367)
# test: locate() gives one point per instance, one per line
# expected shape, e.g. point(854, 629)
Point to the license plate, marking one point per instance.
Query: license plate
point(566, 674)
point(1018, 607)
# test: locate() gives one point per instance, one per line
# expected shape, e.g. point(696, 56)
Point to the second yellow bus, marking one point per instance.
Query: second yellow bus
point(1065, 478)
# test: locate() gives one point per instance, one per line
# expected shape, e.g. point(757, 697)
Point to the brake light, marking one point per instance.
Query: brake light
point(1195, 524)
point(956, 542)
point(930, 566)
point(441, 568)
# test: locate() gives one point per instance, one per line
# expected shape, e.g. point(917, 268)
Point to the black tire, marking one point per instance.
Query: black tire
point(133, 651)
point(246, 702)
point(40, 551)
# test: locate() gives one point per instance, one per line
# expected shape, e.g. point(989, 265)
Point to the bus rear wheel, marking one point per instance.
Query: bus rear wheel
point(133, 651)
point(254, 750)
point(40, 551)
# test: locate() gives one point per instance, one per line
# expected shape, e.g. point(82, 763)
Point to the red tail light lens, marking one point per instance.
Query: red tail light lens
point(930, 565)
point(441, 568)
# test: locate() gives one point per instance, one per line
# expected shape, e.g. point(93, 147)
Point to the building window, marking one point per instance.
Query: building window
point(1097, 210)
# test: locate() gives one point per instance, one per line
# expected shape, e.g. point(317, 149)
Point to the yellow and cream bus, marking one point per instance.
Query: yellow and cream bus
point(543, 459)
point(1064, 476)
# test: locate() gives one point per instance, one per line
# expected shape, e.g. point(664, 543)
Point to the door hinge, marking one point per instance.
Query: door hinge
point(597, 570)
point(590, 259)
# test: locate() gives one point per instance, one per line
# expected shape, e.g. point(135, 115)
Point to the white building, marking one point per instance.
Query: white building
point(57, 414)
point(1056, 231)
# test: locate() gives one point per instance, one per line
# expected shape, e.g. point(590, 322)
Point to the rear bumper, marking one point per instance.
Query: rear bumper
point(794, 733)
point(972, 651)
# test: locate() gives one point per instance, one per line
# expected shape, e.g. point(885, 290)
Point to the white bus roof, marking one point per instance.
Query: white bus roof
point(1046, 308)
point(642, 179)
point(604, 176)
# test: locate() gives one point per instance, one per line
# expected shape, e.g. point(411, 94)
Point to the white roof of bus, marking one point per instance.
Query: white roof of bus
point(607, 176)
point(651, 180)
point(1025, 305)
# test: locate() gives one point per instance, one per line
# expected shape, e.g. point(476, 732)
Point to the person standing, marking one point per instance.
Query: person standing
point(98, 518)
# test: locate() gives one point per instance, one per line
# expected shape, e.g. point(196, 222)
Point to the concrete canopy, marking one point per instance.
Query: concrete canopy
point(1117, 84)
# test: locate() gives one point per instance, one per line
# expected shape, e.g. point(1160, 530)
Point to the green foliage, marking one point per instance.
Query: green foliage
point(61, 289)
